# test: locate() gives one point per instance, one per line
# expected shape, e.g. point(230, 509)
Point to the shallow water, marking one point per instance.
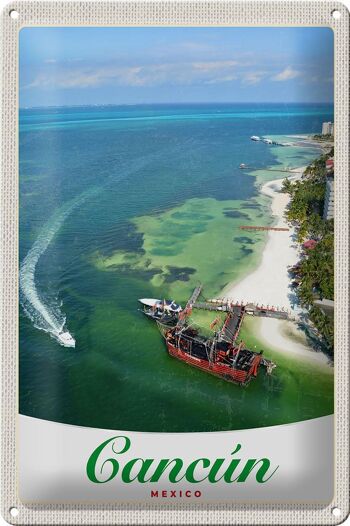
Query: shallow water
point(165, 199)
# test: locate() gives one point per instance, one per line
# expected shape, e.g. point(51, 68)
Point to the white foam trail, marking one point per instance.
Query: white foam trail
point(44, 316)
point(47, 316)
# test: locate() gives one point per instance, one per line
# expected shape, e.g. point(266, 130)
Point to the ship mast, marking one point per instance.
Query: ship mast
point(234, 363)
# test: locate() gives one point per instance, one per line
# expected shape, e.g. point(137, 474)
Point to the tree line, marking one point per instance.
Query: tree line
point(315, 271)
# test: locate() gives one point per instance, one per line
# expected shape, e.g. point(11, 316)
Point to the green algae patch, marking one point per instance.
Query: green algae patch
point(207, 322)
point(198, 241)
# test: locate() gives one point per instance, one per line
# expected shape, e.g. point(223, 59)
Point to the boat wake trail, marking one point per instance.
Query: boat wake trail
point(46, 315)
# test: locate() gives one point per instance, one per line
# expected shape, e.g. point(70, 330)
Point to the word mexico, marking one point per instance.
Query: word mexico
point(104, 465)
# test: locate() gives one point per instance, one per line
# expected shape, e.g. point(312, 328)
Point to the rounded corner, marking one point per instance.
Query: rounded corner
point(7, 8)
point(6, 517)
point(343, 518)
point(342, 7)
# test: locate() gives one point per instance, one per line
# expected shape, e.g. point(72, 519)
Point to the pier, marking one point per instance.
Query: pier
point(195, 295)
point(268, 311)
point(274, 228)
point(210, 306)
point(189, 305)
point(235, 311)
point(232, 325)
point(285, 170)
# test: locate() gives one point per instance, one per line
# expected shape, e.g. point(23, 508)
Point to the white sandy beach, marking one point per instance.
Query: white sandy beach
point(269, 283)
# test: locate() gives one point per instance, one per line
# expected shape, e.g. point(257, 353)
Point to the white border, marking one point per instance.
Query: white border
point(274, 13)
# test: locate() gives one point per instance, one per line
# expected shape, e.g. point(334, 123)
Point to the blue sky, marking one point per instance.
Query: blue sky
point(69, 66)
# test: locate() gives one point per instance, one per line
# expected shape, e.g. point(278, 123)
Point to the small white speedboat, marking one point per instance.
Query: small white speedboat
point(66, 339)
point(149, 302)
point(255, 138)
point(166, 305)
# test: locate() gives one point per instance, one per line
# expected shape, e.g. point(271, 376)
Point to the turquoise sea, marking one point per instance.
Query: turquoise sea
point(120, 203)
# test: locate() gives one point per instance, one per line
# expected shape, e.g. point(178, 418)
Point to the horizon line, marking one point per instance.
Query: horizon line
point(91, 105)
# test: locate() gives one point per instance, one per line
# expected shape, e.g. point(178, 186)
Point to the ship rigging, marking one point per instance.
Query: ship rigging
point(221, 352)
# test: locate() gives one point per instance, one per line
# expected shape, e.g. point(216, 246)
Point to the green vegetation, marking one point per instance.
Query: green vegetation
point(320, 137)
point(315, 273)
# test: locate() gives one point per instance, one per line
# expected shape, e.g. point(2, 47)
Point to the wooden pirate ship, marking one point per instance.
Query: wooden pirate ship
point(221, 353)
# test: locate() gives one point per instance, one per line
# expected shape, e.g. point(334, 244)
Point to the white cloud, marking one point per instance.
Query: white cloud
point(214, 65)
point(253, 77)
point(178, 73)
point(287, 74)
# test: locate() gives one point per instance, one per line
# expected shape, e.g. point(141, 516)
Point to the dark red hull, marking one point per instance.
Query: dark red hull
point(224, 371)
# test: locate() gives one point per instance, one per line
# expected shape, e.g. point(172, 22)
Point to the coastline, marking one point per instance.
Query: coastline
point(269, 283)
